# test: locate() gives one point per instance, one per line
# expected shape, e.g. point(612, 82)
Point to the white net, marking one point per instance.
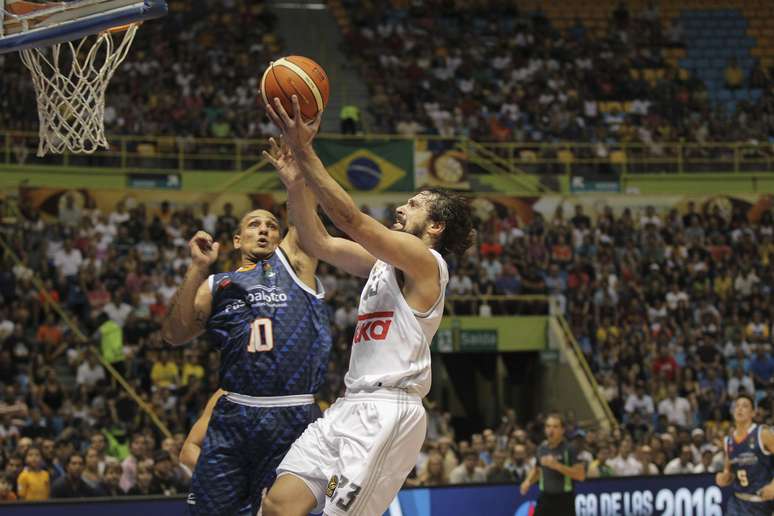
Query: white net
point(70, 82)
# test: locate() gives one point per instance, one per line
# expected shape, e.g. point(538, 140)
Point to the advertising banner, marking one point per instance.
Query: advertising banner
point(594, 183)
point(665, 495)
point(365, 165)
point(471, 334)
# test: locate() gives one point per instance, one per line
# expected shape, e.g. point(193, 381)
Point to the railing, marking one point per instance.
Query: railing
point(574, 348)
point(173, 153)
point(501, 305)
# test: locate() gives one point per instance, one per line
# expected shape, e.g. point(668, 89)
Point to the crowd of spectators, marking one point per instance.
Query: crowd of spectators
point(524, 80)
point(194, 72)
point(671, 309)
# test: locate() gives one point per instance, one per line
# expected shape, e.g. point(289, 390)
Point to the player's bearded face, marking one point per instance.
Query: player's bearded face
point(259, 234)
point(412, 217)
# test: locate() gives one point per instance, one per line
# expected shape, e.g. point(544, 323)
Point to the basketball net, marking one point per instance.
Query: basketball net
point(70, 82)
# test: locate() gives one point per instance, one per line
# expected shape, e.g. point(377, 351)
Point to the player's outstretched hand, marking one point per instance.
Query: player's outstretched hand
point(280, 156)
point(204, 250)
point(296, 133)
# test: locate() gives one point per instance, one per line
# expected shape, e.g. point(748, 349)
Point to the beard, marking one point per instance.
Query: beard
point(417, 230)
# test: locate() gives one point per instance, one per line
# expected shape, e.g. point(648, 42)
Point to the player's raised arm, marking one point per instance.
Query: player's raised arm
point(312, 236)
point(401, 249)
point(192, 303)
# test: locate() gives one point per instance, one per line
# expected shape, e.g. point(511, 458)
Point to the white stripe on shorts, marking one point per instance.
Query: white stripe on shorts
point(384, 394)
point(270, 401)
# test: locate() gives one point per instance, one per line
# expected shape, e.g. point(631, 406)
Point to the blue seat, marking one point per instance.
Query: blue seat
point(742, 94)
point(755, 95)
point(723, 95)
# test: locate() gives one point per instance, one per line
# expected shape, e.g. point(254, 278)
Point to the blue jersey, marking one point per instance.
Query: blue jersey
point(750, 462)
point(271, 329)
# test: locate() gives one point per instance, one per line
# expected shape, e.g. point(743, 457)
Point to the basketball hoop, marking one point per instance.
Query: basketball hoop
point(72, 49)
point(70, 81)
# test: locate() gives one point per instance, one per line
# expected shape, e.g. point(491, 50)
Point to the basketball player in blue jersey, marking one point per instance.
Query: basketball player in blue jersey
point(271, 327)
point(748, 466)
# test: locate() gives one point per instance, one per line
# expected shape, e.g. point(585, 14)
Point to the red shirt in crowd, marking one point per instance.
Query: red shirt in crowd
point(491, 249)
point(666, 366)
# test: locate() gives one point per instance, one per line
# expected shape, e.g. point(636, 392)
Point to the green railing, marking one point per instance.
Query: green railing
point(574, 348)
point(171, 153)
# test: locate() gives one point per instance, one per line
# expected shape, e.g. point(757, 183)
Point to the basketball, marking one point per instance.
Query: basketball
point(300, 76)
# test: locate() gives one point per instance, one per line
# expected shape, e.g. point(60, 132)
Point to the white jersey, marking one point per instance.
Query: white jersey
point(391, 347)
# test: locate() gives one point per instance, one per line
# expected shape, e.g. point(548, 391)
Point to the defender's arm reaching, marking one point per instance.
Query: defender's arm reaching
point(192, 303)
point(313, 238)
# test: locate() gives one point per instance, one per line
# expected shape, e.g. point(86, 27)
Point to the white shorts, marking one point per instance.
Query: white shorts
point(356, 457)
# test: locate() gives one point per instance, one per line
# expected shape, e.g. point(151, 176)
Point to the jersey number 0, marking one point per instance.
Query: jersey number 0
point(261, 336)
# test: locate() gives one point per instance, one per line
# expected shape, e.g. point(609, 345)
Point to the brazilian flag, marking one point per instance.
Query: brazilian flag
point(365, 165)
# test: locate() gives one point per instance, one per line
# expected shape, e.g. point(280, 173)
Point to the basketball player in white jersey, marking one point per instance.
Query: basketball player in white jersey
point(354, 459)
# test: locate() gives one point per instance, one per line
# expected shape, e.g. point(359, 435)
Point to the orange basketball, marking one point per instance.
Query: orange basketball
point(296, 75)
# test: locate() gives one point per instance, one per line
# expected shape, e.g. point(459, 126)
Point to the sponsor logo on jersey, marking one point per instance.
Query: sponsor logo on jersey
point(260, 295)
point(332, 484)
point(372, 327)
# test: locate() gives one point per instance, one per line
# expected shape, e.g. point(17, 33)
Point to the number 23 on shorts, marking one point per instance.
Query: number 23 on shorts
point(261, 336)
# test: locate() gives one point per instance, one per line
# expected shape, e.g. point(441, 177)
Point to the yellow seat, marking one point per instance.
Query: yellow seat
point(618, 157)
point(565, 156)
point(528, 156)
point(146, 150)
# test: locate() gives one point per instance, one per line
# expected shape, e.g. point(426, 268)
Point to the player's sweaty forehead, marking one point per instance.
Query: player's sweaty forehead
point(423, 198)
point(262, 215)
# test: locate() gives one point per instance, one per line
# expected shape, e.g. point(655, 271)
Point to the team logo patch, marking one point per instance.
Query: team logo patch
point(191, 499)
point(332, 484)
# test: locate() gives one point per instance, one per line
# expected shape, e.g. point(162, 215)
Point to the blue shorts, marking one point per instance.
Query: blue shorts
point(240, 454)
point(737, 507)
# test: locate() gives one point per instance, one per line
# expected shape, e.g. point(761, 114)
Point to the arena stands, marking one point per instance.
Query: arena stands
point(194, 72)
point(672, 309)
point(625, 281)
point(559, 71)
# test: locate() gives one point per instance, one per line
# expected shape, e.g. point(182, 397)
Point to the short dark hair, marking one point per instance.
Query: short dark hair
point(557, 416)
point(453, 210)
point(470, 453)
point(161, 455)
point(745, 396)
